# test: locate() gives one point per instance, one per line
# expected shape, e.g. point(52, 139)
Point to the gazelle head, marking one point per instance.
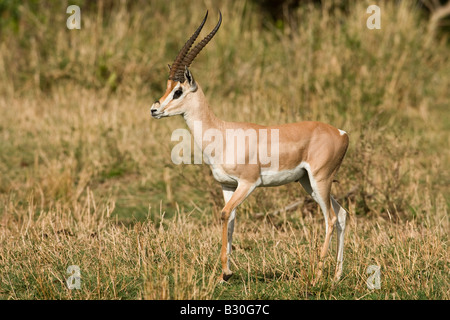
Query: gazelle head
point(181, 83)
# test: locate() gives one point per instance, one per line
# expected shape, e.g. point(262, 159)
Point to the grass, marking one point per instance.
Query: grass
point(86, 177)
point(177, 258)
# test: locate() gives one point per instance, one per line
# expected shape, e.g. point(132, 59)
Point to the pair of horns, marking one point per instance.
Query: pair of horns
point(185, 57)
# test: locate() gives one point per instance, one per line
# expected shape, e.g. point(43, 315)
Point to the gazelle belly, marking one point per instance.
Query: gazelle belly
point(267, 178)
point(277, 178)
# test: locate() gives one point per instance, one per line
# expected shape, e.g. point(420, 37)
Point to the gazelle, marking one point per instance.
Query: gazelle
point(308, 152)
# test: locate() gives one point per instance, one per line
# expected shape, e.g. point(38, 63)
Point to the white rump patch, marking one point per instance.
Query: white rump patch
point(342, 132)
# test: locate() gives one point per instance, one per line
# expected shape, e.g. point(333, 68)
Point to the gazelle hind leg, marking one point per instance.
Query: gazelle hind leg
point(340, 229)
point(320, 191)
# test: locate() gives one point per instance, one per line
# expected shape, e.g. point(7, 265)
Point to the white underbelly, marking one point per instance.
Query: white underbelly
point(278, 178)
point(267, 178)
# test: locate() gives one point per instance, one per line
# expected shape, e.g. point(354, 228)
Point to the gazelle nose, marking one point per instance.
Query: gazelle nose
point(153, 111)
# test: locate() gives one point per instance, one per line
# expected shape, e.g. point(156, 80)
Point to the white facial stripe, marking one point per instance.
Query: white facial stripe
point(169, 97)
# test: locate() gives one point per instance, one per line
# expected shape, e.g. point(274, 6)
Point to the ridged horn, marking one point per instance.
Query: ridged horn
point(177, 63)
point(189, 57)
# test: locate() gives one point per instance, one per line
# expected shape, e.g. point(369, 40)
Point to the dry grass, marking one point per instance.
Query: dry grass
point(177, 258)
point(86, 177)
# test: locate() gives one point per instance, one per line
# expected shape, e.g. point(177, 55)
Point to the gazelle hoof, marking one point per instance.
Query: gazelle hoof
point(226, 276)
point(223, 278)
point(337, 277)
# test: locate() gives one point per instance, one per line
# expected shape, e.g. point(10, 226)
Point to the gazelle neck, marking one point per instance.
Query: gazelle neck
point(199, 115)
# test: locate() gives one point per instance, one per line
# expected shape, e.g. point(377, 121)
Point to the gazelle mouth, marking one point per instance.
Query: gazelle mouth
point(157, 115)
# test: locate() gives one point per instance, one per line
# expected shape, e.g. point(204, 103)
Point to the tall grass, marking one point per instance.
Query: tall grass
point(86, 177)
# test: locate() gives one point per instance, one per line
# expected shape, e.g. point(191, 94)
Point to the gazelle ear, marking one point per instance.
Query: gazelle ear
point(190, 79)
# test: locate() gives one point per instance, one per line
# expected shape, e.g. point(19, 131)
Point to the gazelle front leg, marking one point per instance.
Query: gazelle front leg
point(227, 194)
point(228, 214)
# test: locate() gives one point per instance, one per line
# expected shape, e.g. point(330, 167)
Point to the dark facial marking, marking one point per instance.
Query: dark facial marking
point(177, 94)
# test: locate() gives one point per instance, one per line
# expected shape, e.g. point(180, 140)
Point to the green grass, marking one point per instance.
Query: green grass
point(86, 177)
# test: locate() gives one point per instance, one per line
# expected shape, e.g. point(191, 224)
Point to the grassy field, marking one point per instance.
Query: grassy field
point(86, 176)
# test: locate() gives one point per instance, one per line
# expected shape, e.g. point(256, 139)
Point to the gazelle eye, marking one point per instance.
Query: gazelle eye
point(177, 93)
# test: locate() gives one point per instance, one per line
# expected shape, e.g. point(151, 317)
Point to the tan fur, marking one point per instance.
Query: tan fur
point(320, 146)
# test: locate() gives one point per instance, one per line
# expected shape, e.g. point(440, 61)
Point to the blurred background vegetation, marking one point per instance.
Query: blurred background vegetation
point(273, 61)
point(75, 123)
